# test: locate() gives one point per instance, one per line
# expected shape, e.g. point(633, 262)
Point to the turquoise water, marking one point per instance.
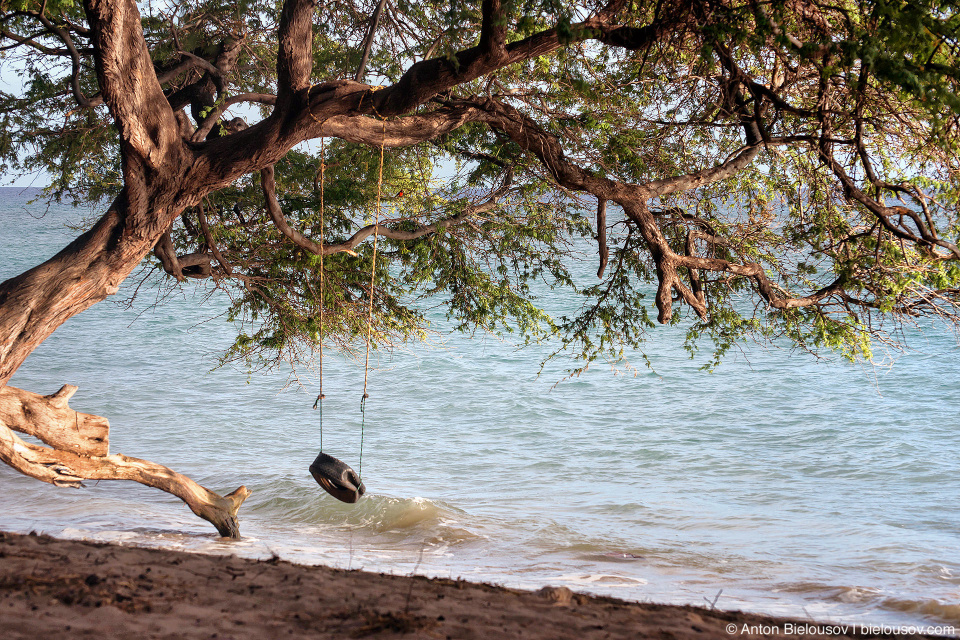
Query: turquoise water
point(812, 489)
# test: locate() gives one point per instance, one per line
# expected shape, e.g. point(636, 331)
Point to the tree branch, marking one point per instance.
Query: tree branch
point(276, 215)
point(197, 61)
point(526, 133)
point(399, 132)
point(295, 51)
point(764, 285)
point(332, 106)
point(695, 286)
point(744, 156)
point(633, 198)
point(30, 42)
point(722, 171)
point(602, 235)
point(883, 213)
point(213, 117)
point(429, 78)
point(81, 99)
point(208, 237)
point(166, 75)
point(68, 469)
point(368, 41)
point(129, 84)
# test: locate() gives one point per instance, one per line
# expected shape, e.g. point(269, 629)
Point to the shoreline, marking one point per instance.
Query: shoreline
point(92, 589)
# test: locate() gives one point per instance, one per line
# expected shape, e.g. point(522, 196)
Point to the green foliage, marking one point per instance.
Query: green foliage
point(871, 86)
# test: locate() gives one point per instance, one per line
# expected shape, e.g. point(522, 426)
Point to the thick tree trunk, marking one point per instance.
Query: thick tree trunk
point(163, 174)
point(162, 177)
point(34, 304)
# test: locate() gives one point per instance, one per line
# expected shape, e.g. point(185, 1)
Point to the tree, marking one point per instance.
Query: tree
point(782, 170)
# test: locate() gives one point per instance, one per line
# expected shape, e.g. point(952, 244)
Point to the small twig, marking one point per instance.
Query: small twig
point(406, 607)
point(713, 605)
point(211, 243)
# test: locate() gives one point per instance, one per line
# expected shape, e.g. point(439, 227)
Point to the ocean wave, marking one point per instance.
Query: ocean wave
point(932, 608)
point(868, 598)
point(588, 580)
point(298, 504)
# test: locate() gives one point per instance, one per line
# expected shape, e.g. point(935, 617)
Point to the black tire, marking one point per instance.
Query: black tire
point(337, 478)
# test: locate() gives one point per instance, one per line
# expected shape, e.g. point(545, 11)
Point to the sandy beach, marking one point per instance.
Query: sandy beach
point(63, 588)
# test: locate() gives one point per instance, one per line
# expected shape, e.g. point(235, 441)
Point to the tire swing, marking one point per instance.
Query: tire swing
point(335, 476)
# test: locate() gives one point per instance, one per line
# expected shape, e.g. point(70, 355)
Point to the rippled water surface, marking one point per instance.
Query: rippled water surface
point(803, 488)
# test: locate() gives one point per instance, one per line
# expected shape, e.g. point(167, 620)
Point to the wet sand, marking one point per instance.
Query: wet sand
point(52, 588)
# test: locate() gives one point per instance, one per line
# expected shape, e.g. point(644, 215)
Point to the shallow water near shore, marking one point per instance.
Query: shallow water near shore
point(777, 484)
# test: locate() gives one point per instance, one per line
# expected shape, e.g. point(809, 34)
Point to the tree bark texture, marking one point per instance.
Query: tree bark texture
point(79, 452)
point(50, 419)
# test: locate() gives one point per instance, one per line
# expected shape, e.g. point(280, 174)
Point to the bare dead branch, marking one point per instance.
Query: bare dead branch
point(30, 42)
point(50, 419)
point(67, 468)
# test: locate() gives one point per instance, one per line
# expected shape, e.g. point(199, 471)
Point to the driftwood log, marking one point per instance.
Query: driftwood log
point(79, 450)
point(50, 419)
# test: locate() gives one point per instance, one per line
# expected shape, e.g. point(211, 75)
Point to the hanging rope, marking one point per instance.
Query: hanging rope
point(363, 419)
point(320, 396)
point(373, 275)
point(333, 475)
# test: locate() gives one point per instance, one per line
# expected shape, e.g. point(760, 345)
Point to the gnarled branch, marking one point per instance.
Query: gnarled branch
point(167, 254)
point(50, 419)
point(68, 468)
point(276, 215)
point(129, 84)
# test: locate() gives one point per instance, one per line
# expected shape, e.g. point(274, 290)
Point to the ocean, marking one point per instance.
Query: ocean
point(779, 484)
